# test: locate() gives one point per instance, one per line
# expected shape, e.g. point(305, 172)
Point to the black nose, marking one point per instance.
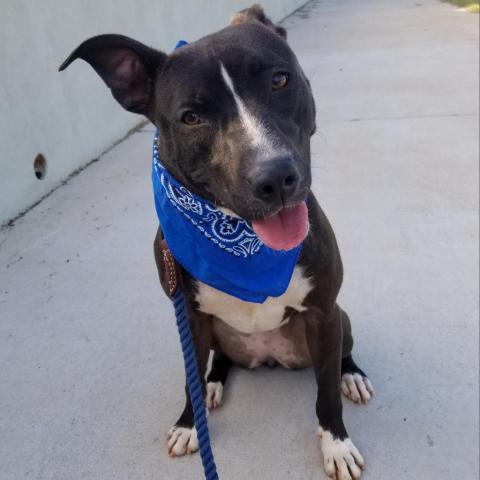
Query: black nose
point(275, 181)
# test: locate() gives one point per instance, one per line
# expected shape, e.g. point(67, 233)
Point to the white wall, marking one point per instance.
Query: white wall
point(70, 117)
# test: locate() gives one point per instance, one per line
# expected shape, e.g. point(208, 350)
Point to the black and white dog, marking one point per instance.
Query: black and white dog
point(235, 114)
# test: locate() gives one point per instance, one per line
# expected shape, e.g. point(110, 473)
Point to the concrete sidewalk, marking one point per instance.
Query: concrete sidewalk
point(91, 372)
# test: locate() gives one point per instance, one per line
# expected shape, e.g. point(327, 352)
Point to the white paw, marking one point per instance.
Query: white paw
point(357, 388)
point(181, 440)
point(214, 394)
point(341, 458)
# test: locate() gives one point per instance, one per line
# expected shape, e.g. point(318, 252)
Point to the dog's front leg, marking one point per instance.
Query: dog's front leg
point(182, 437)
point(342, 460)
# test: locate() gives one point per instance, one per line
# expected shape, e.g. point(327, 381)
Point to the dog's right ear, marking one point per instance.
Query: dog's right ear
point(128, 67)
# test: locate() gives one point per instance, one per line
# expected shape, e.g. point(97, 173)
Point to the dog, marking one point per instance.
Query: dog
point(235, 114)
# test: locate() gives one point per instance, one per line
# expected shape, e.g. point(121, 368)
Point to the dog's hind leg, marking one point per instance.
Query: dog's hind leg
point(355, 384)
point(216, 379)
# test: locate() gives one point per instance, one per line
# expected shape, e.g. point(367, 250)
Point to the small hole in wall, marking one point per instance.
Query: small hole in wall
point(40, 166)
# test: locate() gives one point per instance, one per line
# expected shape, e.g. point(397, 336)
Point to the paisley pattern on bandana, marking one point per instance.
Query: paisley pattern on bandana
point(231, 234)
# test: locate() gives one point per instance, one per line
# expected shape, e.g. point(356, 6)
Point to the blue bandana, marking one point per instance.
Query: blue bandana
point(218, 249)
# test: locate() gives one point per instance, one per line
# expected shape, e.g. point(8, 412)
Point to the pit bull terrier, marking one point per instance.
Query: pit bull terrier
point(234, 113)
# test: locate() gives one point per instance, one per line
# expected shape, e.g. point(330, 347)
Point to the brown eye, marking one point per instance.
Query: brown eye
point(279, 81)
point(191, 118)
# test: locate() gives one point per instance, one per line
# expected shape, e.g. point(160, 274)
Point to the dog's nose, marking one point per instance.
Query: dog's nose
point(276, 180)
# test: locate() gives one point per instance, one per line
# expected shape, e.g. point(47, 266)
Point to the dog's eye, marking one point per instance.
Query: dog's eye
point(279, 81)
point(191, 118)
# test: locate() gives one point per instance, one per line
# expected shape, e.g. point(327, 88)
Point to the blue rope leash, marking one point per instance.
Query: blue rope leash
point(193, 377)
point(194, 385)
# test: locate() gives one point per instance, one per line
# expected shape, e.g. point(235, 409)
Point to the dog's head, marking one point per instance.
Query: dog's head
point(234, 112)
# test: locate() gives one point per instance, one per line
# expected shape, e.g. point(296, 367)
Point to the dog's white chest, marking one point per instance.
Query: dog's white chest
point(247, 317)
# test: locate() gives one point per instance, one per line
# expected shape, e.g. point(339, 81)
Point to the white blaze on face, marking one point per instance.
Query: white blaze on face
point(255, 130)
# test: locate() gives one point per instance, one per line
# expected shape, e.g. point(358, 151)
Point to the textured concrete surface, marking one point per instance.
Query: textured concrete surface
point(91, 376)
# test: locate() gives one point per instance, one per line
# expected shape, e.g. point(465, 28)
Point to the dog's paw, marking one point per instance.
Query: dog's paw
point(182, 441)
point(214, 394)
point(357, 388)
point(342, 460)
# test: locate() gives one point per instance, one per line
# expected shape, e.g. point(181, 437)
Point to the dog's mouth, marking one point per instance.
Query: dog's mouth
point(284, 230)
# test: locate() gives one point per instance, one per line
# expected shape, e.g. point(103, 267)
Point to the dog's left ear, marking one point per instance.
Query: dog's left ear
point(255, 14)
point(128, 67)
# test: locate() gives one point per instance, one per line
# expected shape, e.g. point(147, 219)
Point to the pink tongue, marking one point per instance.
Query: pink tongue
point(284, 230)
